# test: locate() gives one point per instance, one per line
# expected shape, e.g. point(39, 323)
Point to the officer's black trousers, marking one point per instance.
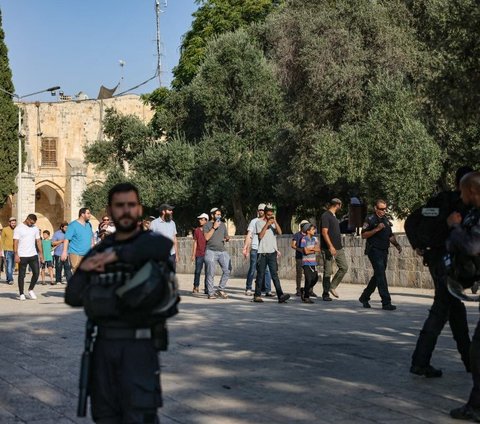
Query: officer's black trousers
point(445, 307)
point(378, 259)
point(475, 365)
point(125, 386)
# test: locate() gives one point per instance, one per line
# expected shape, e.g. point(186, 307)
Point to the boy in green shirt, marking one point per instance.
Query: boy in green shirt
point(47, 255)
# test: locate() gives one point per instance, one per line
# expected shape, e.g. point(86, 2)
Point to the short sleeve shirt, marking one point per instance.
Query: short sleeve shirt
point(47, 250)
point(199, 237)
point(165, 228)
point(254, 235)
point(79, 237)
point(311, 258)
point(297, 238)
point(58, 236)
point(268, 244)
point(26, 237)
point(217, 241)
point(380, 240)
point(330, 221)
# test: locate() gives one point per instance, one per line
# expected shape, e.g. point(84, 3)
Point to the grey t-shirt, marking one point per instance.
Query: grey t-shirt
point(217, 241)
point(268, 244)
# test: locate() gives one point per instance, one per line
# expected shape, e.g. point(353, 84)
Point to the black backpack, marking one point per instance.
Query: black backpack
point(426, 227)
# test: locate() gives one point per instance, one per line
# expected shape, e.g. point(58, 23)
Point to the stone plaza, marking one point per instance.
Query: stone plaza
point(235, 362)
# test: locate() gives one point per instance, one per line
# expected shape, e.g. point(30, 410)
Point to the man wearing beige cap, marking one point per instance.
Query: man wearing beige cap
point(8, 252)
point(250, 247)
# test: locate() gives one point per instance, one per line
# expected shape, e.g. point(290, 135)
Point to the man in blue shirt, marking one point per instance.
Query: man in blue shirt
point(57, 242)
point(78, 239)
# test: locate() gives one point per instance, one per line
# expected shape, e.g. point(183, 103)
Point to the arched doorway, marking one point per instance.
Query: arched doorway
point(49, 206)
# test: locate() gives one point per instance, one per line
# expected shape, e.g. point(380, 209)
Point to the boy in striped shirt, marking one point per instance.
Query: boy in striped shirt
point(311, 246)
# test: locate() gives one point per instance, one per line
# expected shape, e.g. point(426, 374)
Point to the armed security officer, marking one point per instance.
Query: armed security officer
point(445, 306)
point(125, 373)
point(378, 232)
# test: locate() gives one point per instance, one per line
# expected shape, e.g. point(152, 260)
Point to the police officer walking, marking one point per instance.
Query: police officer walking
point(124, 367)
point(377, 230)
point(445, 306)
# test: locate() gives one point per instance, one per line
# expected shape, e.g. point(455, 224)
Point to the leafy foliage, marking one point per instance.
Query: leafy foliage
point(8, 126)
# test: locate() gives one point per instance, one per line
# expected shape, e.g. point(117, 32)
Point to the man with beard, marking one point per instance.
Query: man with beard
point(124, 369)
point(165, 226)
point(57, 242)
point(78, 239)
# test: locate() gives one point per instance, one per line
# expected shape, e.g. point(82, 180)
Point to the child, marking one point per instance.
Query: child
point(47, 256)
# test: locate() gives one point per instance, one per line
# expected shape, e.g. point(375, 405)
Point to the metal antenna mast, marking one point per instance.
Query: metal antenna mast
point(158, 11)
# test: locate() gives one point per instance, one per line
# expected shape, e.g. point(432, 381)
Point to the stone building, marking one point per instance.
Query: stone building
point(55, 175)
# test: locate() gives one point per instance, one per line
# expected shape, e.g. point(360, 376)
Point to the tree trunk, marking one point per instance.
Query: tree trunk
point(284, 218)
point(239, 217)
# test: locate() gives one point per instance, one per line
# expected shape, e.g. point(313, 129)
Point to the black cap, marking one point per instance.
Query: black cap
point(165, 206)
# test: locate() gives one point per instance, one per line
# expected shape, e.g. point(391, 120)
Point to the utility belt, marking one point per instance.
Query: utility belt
point(112, 333)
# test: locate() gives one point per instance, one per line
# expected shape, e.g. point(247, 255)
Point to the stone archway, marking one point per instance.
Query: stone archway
point(49, 206)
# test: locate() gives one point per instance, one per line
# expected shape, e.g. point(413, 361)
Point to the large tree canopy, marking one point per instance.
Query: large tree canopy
point(215, 17)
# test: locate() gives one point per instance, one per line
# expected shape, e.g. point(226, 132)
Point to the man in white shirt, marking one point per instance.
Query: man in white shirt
point(165, 225)
point(27, 248)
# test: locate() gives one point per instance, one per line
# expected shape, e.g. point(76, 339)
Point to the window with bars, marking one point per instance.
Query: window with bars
point(49, 151)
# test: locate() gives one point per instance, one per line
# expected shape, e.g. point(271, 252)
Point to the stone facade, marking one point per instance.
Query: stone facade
point(404, 270)
point(55, 175)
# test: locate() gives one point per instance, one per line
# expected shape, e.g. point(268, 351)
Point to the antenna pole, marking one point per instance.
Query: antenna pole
point(158, 11)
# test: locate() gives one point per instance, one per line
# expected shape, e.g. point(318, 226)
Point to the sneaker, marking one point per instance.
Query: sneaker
point(10, 282)
point(270, 294)
point(212, 297)
point(326, 298)
point(308, 300)
point(334, 293)
point(302, 293)
point(364, 303)
point(195, 290)
point(248, 292)
point(298, 293)
point(222, 294)
point(32, 294)
point(389, 307)
point(466, 412)
point(283, 298)
point(44, 283)
point(427, 371)
point(312, 294)
point(22, 297)
point(257, 299)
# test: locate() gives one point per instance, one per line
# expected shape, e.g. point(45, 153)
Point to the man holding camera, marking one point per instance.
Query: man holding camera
point(267, 229)
point(216, 235)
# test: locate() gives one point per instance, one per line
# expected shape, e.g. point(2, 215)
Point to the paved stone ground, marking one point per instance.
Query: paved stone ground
point(235, 362)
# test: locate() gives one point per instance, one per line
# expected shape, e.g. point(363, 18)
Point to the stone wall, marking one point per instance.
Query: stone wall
point(404, 270)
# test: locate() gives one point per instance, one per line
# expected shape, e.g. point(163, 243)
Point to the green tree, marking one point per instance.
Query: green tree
point(349, 72)
point(8, 126)
point(215, 17)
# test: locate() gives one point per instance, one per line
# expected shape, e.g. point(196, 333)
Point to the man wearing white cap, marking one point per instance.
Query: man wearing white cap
point(250, 247)
point(198, 252)
point(216, 235)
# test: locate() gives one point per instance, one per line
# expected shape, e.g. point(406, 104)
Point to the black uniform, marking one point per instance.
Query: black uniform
point(445, 307)
point(377, 250)
point(125, 374)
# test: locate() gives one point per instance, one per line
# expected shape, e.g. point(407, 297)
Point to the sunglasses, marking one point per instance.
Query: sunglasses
point(381, 209)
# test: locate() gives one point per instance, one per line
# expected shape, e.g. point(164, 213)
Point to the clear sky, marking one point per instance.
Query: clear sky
point(77, 44)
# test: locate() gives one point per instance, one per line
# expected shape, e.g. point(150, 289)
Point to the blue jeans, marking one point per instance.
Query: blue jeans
point(199, 264)
point(251, 273)
point(211, 259)
point(378, 259)
point(10, 259)
point(267, 260)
